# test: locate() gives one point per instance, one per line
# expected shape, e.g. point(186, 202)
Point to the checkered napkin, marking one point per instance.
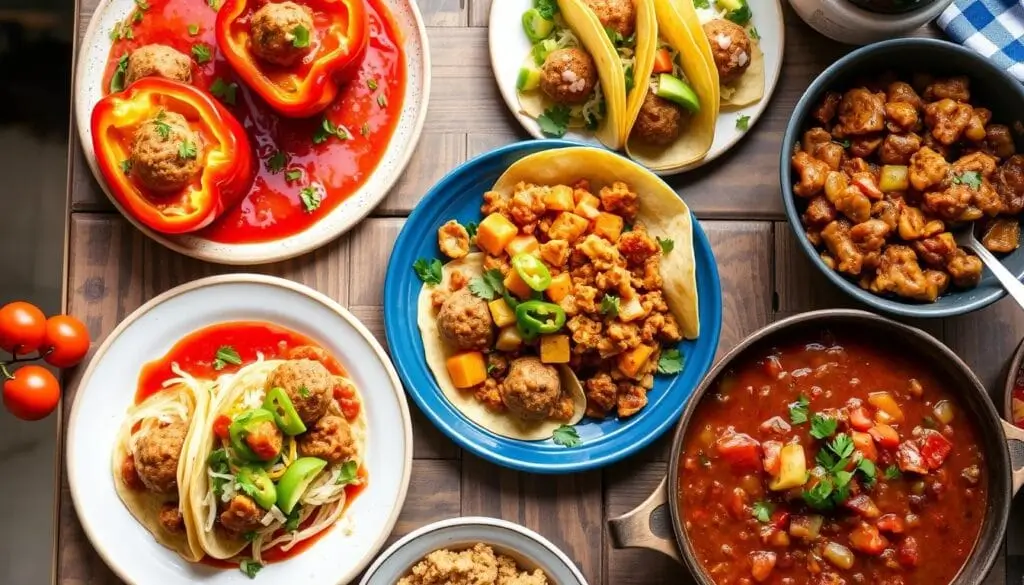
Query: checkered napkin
point(992, 28)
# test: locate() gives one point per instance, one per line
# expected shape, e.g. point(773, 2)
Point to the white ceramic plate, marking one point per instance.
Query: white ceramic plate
point(509, 47)
point(92, 59)
point(108, 388)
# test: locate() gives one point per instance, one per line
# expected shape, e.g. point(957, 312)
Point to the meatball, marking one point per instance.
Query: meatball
point(171, 518)
point(242, 515)
point(277, 35)
point(659, 122)
point(568, 76)
point(616, 15)
point(158, 61)
point(265, 440)
point(531, 388)
point(165, 152)
point(308, 384)
point(330, 439)
point(465, 321)
point(730, 46)
point(157, 454)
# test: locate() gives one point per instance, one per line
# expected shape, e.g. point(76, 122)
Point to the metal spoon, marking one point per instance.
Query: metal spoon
point(965, 239)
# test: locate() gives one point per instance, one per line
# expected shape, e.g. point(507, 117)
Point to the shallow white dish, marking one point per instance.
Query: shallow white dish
point(509, 47)
point(108, 387)
point(529, 549)
point(93, 52)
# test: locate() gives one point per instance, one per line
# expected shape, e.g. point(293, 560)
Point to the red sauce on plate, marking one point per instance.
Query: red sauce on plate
point(273, 210)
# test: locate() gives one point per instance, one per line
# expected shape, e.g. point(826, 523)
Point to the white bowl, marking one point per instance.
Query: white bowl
point(842, 21)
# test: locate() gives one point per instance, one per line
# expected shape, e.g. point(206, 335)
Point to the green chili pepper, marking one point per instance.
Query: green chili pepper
point(285, 416)
point(295, 480)
point(255, 483)
point(536, 27)
point(240, 428)
point(538, 317)
point(532, 271)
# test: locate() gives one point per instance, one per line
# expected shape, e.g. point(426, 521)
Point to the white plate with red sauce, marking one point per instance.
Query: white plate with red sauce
point(113, 380)
point(271, 223)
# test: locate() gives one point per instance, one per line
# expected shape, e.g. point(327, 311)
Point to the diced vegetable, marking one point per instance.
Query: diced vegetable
point(771, 460)
point(494, 233)
point(536, 27)
point(885, 436)
point(894, 178)
point(738, 503)
point(509, 339)
point(884, 402)
point(630, 309)
point(501, 313)
point(866, 183)
point(467, 369)
point(559, 198)
point(737, 11)
point(806, 527)
point(909, 458)
point(528, 78)
point(860, 419)
point(761, 564)
point(891, 523)
point(943, 411)
point(792, 468)
point(517, 286)
point(560, 286)
point(863, 505)
point(865, 444)
point(588, 207)
point(779, 538)
point(739, 450)
point(631, 361)
point(866, 539)
point(907, 553)
point(522, 244)
point(838, 555)
point(567, 226)
point(776, 425)
point(608, 226)
point(662, 62)
point(554, 349)
point(934, 448)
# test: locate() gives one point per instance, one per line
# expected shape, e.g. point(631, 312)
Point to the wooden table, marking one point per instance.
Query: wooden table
point(112, 269)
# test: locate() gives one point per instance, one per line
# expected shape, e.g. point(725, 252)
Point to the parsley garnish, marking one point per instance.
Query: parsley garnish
point(301, 37)
point(892, 472)
point(834, 481)
point(546, 8)
point(224, 91)
point(292, 175)
point(970, 178)
point(488, 285)
point(117, 81)
point(754, 34)
point(310, 199)
point(867, 469)
point(136, 18)
point(187, 150)
point(215, 4)
point(701, 4)
point(365, 129)
point(471, 228)
point(630, 81)
point(382, 100)
point(249, 568)
point(610, 305)
point(226, 355)
point(743, 122)
point(193, 30)
point(201, 53)
point(218, 463)
point(667, 245)
point(304, 391)
point(798, 410)
point(762, 511)
point(250, 536)
point(371, 83)
point(328, 129)
point(555, 121)
point(670, 362)
point(823, 427)
point(162, 128)
point(277, 161)
point(566, 436)
point(429, 271)
point(292, 523)
point(349, 473)
point(142, 4)
point(844, 142)
point(126, 166)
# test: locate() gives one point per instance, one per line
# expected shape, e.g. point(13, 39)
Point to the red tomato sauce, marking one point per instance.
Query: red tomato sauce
point(272, 209)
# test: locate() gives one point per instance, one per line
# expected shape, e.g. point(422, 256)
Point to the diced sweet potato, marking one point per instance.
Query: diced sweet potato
point(494, 233)
point(560, 286)
point(522, 244)
point(517, 286)
point(554, 349)
point(631, 361)
point(588, 206)
point(467, 369)
point(608, 226)
point(559, 198)
point(567, 226)
point(501, 313)
point(509, 339)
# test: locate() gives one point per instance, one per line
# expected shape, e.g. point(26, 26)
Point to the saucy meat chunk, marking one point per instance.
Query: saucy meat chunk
point(308, 384)
point(947, 119)
point(861, 112)
point(531, 388)
point(812, 174)
point(568, 76)
point(1009, 184)
point(901, 116)
point(951, 88)
point(330, 439)
point(897, 149)
point(964, 269)
point(927, 168)
point(826, 110)
point(242, 515)
point(836, 236)
point(899, 273)
point(157, 60)
point(1002, 236)
point(282, 33)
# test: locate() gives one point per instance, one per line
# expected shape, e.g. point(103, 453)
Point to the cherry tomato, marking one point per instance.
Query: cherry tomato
point(220, 426)
point(32, 393)
point(22, 327)
point(67, 341)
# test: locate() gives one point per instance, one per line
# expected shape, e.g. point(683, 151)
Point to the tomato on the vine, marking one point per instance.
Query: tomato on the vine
point(66, 341)
point(32, 393)
point(22, 327)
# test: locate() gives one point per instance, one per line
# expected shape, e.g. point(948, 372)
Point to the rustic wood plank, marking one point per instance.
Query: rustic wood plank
point(444, 12)
point(434, 495)
point(479, 143)
point(986, 340)
point(436, 154)
point(566, 508)
point(479, 12)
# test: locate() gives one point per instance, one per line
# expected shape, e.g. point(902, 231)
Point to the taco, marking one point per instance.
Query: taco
point(572, 78)
point(276, 456)
point(153, 462)
point(585, 264)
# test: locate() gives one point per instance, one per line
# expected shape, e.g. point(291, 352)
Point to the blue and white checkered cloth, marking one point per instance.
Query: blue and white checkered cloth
point(993, 28)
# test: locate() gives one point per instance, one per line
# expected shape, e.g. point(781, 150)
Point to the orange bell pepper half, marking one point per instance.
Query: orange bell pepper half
point(228, 163)
point(342, 32)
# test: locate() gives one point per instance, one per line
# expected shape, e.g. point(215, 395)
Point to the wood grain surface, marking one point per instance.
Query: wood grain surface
point(112, 269)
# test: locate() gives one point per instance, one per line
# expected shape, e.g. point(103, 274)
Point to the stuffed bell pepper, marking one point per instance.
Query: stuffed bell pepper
point(172, 156)
point(291, 53)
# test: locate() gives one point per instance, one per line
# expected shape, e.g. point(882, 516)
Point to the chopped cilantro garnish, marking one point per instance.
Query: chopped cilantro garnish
point(224, 91)
point(762, 511)
point(311, 198)
point(201, 53)
point(670, 361)
point(327, 129)
point(488, 285)
point(555, 121)
point(798, 410)
point(292, 175)
point(226, 355)
point(187, 150)
point(300, 37)
point(970, 178)
point(249, 568)
point(277, 161)
point(610, 305)
point(743, 122)
point(349, 473)
point(566, 436)
point(117, 81)
point(823, 427)
point(667, 245)
point(428, 271)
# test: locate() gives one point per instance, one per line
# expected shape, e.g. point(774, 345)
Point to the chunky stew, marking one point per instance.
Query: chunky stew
point(829, 461)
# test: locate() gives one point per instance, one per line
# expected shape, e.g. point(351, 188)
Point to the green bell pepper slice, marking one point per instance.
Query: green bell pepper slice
point(240, 427)
point(532, 271)
point(295, 480)
point(536, 27)
point(535, 318)
point(285, 415)
point(255, 483)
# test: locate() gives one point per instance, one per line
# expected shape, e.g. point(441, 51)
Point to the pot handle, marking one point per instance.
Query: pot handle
point(649, 525)
point(1015, 445)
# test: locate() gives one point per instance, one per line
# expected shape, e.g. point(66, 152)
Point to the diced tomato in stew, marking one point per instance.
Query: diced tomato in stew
point(885, 435)
point(864, 443)
point(771, 450)
point(934, 448)
point(739, 449)
point(866, 539)
point(860, 419)
point(891, 523)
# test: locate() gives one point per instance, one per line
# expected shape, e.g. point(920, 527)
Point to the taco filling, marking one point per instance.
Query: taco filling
point(735, 54)
point(670, 102)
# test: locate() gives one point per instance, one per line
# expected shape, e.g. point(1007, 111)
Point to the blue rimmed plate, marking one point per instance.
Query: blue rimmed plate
point(458, 196)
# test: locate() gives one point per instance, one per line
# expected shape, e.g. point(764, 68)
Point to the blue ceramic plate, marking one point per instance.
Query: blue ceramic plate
point(458, 196)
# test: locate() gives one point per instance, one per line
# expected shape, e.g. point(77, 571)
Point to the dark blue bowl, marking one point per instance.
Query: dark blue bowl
point(991, 87)
point(458, 196)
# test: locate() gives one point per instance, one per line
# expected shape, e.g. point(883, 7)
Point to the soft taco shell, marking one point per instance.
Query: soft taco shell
point(749, 88)
point(696, 140)
point(662, 212)
point(436, 351)
point(145, 505)
point(646, 48)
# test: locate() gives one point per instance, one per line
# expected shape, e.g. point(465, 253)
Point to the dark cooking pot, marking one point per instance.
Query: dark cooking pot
point(653, 523)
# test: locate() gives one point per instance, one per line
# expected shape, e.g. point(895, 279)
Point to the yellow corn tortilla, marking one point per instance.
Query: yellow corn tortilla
point(749, 88)
point(437, 351)
point(646, 48)
point(145, 505)
point(662, 212)
point(696, 140)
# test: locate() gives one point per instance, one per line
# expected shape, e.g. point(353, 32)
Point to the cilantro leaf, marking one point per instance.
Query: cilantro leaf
point(142, 4)
point(291, 524)
point(428, 271)
point(970, 178)
point(365, 129)
point(310, 198)
point(201, 53)
point(701, 4)
point(819, 496)
point(844, 142)
point(292, 175)
point(126, 166)
point(867, 469)
point(743, 122)
point(630, 79)
point(304, 391)
point(349, 473)
point(667, 245)
point(762, 511)
point(250, 536)
point(546, 8)
point(823, 427)
point(162, 128)
point(327, 129)
point(193, 30)
point(137, 17)
point(488, 285)
point(471, 228)
point(218, 463)
point(277, 161)
point(215, 4)
point(841, 445)
point(226, 355)
point(249, 568)
point(670, 362)
point(610, 305)
point(117, 81)
point(566, 436)
point(187, 150)
point(371, 83)
point(555, 121)
point(224, 91)
point(892, 472)
point(842, 486)
point(300, 36)
point(798, 410)
point(754, 34)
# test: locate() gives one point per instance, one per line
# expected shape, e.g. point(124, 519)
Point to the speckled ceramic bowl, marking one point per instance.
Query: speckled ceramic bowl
point(529, 549)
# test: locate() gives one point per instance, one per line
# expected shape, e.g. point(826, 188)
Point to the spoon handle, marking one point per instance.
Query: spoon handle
point(1006, 278)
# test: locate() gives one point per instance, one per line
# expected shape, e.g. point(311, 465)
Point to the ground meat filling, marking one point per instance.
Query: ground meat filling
point(308, 384)
point(730, 47)
point(158, 61)
point(531, 389)
point(660, 122)
point(156, 457)
point(615, 15)
point(478, 565)
point(282, 33)
point(329, 439)
point(166, 153)
point(171, 519)
point(242, 515)
point(568, 76)
point(465, 321)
